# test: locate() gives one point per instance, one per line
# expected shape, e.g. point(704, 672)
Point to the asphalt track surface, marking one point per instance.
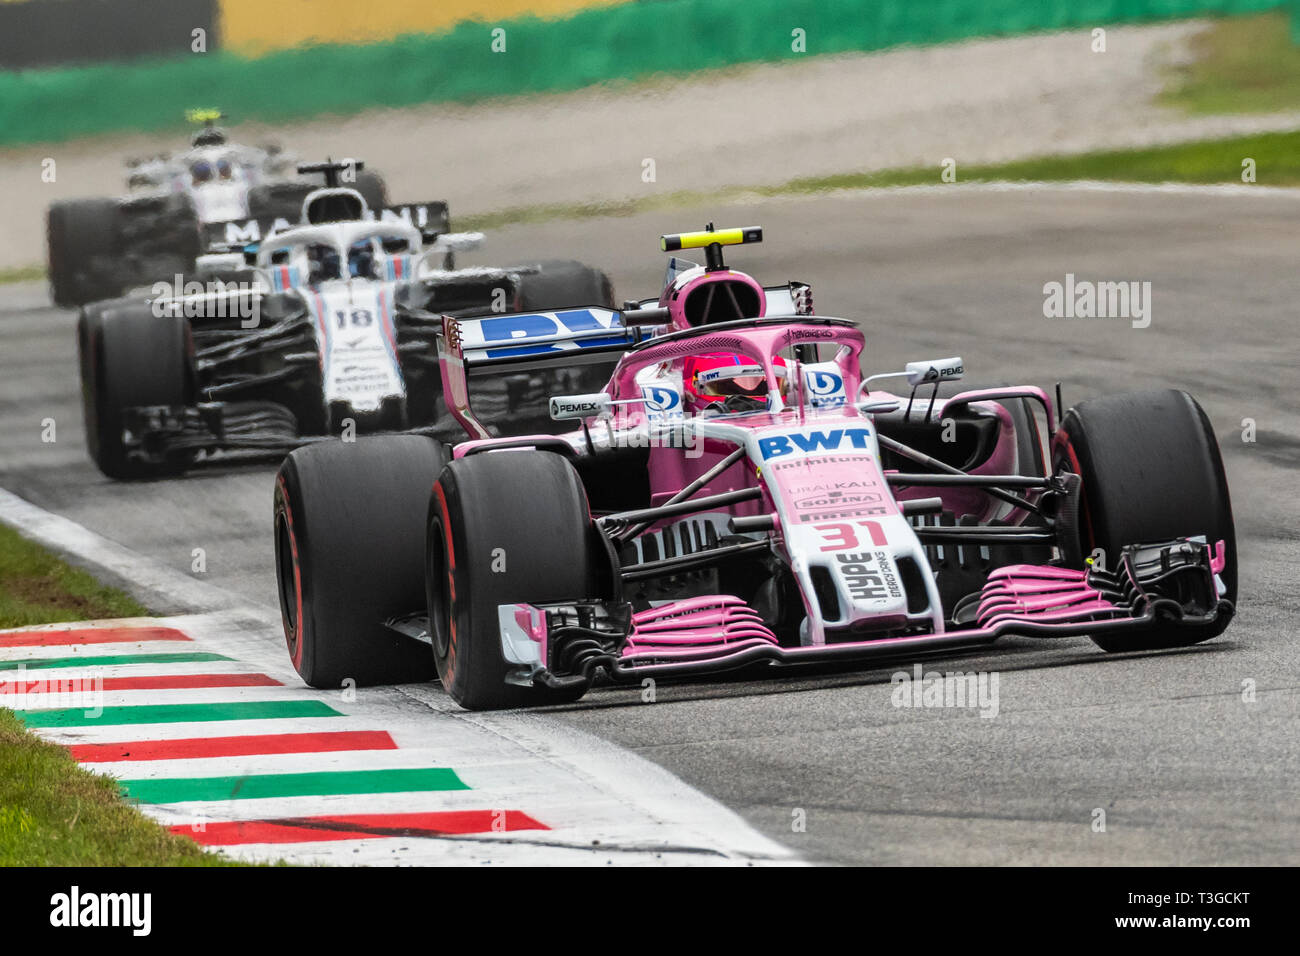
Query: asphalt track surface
point(1186, 770)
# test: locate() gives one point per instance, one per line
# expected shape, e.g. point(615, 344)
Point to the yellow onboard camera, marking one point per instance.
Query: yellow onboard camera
point(702, 240)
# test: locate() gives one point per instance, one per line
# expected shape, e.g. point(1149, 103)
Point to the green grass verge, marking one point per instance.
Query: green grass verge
point(22, 274)
point(1239, 65)
point(1276, 155)
point(52, 812)
point(38, 588)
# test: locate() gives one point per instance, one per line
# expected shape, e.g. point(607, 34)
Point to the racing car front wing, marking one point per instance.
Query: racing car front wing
point(1175, 581)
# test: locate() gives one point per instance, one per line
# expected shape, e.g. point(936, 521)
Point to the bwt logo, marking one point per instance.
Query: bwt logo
point(813, 443)
point(658, 399)
point(525, 326)
point(825, 388)
point(824, 383)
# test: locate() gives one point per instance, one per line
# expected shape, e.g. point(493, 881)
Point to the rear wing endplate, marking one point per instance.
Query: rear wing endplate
point(581, 342)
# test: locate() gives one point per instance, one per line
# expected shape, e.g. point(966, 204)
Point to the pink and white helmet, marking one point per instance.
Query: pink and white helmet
point(716, 377)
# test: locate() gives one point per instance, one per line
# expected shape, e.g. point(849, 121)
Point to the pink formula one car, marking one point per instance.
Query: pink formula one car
point(741, 495)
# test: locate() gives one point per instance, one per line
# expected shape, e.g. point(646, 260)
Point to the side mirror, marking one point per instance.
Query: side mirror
point(645, 317)
point(934, 370)
point(224, 263)
point(454, 241)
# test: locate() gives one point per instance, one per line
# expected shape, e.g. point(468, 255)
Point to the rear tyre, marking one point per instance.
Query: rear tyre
point(563, 283)
point(271, 201)
point(175, 234)
point(81, 242)
point(349, 555)
point(373, 189)
point(130, 358)
point(1151, 471)
point(504, 528)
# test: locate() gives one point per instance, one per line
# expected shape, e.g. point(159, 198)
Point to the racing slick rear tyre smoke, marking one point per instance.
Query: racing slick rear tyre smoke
point(130, 358)
point(81, 237)
point(1151, 471)
point(561, 283)
point(504, 528)
point(349, 555)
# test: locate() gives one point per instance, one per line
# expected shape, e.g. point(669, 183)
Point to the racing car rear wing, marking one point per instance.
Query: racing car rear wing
point(513, 363)
point(431, 218)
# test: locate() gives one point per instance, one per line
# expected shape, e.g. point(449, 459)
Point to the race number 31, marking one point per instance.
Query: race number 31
point(844, 537)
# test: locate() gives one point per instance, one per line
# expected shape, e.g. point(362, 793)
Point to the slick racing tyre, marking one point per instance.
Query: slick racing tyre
point(81, 241)
point(504, 528)
point(349, 555)
point(271, 201)
point(1151, 471)
point(559, 284)
point(131, 358)
point(373, 189)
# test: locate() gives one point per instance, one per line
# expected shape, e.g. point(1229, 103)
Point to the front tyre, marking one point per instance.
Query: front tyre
point(131, 358)
point(349, 555)
point(1151, 472)
point(504, 528)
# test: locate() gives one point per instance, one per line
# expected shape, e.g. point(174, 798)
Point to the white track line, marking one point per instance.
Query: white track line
point(148, 578)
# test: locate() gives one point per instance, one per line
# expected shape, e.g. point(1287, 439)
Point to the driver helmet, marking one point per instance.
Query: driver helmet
point(725, 381)
point(201, 172)
point(208, 136)
point(324, 263)
point(361, 259)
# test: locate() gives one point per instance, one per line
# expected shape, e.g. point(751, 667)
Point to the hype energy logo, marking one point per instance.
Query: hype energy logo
point(820, 441)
